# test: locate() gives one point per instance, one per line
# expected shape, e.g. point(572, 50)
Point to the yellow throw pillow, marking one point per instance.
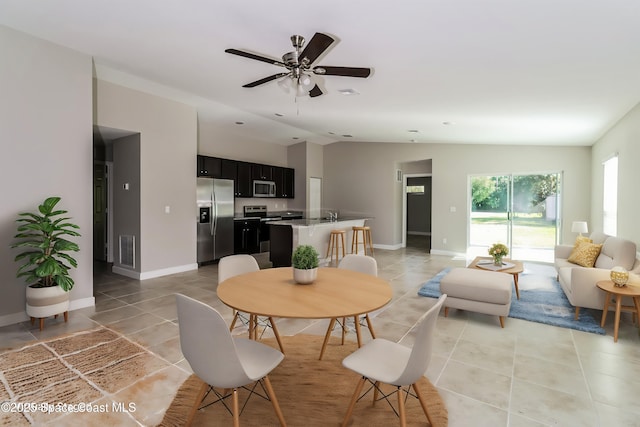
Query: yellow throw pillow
point(581, 239)
point(585, 254)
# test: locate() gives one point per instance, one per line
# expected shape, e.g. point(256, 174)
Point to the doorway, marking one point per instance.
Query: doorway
point(417, 218)
point(521, 211)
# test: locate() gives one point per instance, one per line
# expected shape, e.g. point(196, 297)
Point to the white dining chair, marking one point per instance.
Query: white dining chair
point(220, 360)
point(383, 361)
point(234, 265)
point(363, 264)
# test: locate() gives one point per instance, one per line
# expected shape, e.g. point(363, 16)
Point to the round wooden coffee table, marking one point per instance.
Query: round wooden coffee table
point(631, 290)
point(514, 271)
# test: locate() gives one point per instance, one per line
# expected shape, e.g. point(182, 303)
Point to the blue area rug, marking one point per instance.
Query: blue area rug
point(541, 300)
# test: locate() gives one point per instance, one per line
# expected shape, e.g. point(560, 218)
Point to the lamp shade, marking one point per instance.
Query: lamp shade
point(579, 227)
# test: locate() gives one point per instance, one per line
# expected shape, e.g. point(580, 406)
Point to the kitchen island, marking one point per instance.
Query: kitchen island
point(288, 234)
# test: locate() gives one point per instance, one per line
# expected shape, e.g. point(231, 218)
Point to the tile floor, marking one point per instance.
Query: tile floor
point(526, 374)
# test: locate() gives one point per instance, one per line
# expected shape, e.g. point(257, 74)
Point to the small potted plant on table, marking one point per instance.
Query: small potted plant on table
point(45, 261)
point(305, 264)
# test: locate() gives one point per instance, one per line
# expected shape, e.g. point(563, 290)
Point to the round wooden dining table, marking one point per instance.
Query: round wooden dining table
point(336, 293)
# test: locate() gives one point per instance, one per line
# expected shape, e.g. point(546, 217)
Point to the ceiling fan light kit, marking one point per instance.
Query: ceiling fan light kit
point(298, 63)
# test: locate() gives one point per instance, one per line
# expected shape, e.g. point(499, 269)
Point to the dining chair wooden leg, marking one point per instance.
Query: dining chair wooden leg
point(376, 391)
point(422, 402)
point(274, 401)
point(196, 404)
point(358, 333)
point(401, 412)
point(235, 408)
point(354, 399)
point(370, 326)
point(326, 336)
point(233, 322)
point(276, 333)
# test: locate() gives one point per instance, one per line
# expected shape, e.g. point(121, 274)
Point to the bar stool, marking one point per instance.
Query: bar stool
point(366, 239)
point(335, 238)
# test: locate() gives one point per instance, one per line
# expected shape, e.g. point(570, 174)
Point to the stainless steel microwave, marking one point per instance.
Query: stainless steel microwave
point(264, 189)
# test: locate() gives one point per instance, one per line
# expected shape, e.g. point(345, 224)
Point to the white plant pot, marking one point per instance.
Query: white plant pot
point(305, 277)
point(45, 302)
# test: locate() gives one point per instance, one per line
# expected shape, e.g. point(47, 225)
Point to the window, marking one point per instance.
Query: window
point(610, 196)
point(415, 189)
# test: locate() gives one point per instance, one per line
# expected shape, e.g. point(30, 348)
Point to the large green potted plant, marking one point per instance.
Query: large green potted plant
point(46, 262)
point(305, 264)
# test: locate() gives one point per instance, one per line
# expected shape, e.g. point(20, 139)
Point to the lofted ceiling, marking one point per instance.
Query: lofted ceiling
point(542, 72)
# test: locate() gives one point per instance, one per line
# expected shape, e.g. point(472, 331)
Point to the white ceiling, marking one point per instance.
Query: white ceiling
point(558, 72)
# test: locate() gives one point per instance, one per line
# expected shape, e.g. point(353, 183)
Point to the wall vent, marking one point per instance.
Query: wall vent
point(128, 251)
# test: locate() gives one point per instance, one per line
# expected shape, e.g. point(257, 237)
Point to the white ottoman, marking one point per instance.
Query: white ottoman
point(487, 292)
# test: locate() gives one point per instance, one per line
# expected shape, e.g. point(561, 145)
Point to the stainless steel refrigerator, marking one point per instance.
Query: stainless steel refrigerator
point(215, 218)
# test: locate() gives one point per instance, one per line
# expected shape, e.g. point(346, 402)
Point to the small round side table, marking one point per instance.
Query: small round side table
point(630, 290)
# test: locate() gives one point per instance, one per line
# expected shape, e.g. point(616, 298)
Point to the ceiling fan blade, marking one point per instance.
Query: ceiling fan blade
point(254, 56)
point(318, 44)
point(265, 80)
point(342, 71)
point(316, 91)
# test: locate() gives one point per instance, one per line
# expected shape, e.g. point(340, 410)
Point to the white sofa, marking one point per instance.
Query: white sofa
point(579, 283)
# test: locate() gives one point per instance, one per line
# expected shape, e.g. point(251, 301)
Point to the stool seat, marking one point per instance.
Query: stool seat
point(336, 237)
point(367, 241)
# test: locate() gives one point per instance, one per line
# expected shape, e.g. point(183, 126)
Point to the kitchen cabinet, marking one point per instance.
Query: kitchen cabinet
point(244, 181)
point(246, 236)
point(261, 172)
point(229, 169)
point(209, 166)
point(284, 179)
point(244, 173)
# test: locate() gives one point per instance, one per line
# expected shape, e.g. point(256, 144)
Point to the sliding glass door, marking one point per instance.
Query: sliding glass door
point(520, 211)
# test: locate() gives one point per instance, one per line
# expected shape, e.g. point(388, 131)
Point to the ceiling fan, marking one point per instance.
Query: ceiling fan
point(300, 65)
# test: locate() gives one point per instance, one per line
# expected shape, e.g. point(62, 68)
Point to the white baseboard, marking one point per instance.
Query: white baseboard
point(76, 304)
point(154, 273)
point(388, 247)
point(448, 253)
point(11, 319)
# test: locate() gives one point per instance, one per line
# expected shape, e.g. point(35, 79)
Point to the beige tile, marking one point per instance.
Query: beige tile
point(516, 420)
point(612, 416)
point(155, 334)
point(551, 407)
point(136, 323)
point(616, 392)
point(464, 411)
point(557, 376)
point(110, 316)
point(477, 383)
point(490, 358)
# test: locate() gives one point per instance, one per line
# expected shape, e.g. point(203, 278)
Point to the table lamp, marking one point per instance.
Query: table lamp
point(579, 227)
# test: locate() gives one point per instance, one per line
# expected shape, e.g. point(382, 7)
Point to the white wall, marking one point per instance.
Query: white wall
point(168, 144)
point(624, 139)
point(360, 178)
point(46, 139)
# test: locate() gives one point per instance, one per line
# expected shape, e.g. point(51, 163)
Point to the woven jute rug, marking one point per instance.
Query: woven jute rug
point(99, 367)
point(311, 392)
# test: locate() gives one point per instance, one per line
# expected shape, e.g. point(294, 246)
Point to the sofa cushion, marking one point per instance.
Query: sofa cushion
point(585, 254)
point(617, 251)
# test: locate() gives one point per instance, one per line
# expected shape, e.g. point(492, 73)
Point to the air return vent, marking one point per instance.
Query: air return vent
point(128, 251)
